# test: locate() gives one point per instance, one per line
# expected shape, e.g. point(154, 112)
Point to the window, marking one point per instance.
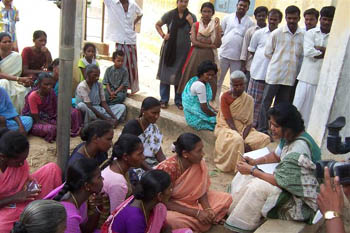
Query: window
point(229, 6)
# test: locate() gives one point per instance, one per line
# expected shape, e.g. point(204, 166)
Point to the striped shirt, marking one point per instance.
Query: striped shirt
point(286, 52)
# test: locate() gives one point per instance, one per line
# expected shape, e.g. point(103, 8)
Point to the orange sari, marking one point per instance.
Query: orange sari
point(15, 179)
point(188, 187)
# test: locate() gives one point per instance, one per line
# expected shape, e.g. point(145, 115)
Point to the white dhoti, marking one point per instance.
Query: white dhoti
point(304, 99)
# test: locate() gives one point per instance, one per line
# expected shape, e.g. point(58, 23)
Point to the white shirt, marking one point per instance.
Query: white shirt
point(311, 67)
point(260, 63)
point(120, 25)
point(234, 31)
point(286, 52)
point(198, 89)
point(245, 54)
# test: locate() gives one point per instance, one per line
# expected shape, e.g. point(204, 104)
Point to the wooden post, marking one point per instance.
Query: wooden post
point(66, 55)
point(103, 22)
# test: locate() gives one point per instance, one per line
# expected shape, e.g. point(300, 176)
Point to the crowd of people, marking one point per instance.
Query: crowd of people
point(138, 188)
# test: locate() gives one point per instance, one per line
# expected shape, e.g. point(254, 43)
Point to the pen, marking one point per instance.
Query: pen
point(240, 154)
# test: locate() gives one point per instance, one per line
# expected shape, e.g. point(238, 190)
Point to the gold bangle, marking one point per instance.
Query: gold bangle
point(198, 213)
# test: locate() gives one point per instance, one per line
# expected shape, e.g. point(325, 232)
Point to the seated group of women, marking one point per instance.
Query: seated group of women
point(35, 96)
point(174, 194)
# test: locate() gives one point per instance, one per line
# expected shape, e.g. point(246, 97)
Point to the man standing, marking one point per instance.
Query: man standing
point(311, 18)
point(122, 17)
point(260, 62)
point(315, 42)
point(285, 49)
point(234, 27)
point(260, 15)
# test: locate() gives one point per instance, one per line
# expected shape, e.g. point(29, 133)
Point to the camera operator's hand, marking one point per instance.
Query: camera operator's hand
point(331, 196)
point(331, 199)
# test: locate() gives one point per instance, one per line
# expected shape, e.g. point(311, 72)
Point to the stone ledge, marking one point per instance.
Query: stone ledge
point(278, 226)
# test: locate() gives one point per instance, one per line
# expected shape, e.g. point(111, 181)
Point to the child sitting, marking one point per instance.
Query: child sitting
point(116, 80)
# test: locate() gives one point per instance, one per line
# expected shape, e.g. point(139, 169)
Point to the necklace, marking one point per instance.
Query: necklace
point(120, 168)
point(144, 211)
point(75, 201)
point(85, 151)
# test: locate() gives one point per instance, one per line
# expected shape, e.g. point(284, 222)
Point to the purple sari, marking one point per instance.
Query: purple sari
point(48, 114)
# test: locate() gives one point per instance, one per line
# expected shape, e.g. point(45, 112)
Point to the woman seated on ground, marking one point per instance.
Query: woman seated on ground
point(84, 180)
point(37, 58)
point(234, 132)
point(97, 140)
point(41, 105)
point(192, 204)
point(206, 39)
point(127, 153)
point(196, 96)
point(9, 117)
point(11, 69)
point(145, 210)
point(91, 100)
point(18, 187)
point(289, 193)
point(38, 217)
point(146, 129)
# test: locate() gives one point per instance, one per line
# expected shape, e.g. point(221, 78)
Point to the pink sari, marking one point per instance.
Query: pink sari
point(14, 180)
point(155, 222)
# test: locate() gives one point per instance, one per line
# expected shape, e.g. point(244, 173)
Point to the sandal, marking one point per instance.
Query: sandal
point(179, 106)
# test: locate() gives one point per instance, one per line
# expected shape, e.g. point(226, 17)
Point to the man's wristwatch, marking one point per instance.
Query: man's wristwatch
point(331, 214)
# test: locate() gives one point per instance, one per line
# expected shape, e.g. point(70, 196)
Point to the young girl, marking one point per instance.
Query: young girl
point(54, 69)
point(127, 153)
point(89, 58)
point(36, 58)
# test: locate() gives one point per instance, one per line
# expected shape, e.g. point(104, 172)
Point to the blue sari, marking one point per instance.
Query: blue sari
point(194, 115)
point(9, 112)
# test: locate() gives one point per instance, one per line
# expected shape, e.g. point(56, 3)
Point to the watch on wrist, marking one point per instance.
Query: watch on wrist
point(331, 214)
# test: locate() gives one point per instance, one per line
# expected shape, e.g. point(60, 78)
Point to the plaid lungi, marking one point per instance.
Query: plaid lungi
point(256, 90)
point(130, 63)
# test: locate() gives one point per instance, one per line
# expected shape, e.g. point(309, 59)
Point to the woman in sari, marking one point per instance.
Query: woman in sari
point(91, 100)
point(84, 180)
point(11, 119)
point(144, 211)
point(97, 140)
point(146, 129)
point(10, 71)
point(127, 153)
point(37, 58)
point(234, 132)
point(41, 105)
point(289, 193)
point(18, 187)
point(205, 38)
point(192, 204)
point(196, 96)
point(174, 50)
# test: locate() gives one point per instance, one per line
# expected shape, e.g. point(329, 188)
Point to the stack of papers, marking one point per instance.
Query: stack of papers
point(267, 168)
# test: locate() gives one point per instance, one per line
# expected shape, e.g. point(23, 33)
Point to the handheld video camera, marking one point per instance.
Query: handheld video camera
point(336, 146)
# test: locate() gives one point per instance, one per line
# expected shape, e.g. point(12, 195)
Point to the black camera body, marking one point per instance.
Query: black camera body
point(336, 146)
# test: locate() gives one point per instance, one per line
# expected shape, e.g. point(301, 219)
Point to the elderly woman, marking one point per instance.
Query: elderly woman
point(11, 69)
point(196, 96)
point(175, 47)
point(91, 100)
point(234, 132)
point(192, 204)
point(205, 38)
point(289, 193)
